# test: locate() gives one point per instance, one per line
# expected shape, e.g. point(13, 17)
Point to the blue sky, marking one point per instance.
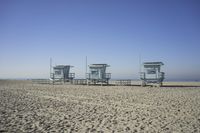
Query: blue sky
point(116, 32)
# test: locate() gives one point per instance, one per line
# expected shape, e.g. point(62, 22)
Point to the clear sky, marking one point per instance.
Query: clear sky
point(116, 32)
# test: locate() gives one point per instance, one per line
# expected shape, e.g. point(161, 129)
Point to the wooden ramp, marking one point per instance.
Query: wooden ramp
point(123, 82)
point(79, 82)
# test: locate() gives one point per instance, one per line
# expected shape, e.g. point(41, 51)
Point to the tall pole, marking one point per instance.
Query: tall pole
point(140, 62)
point(50, 66)
point(140, 66)
point(86, 71)
point(86, 67)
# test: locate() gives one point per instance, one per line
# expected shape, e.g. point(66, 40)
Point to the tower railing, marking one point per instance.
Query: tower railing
point(161, 75)
point(104, 76)
point(71, 75)
point(142, 75)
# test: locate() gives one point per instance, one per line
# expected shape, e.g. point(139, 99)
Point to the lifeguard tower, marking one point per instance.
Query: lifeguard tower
point(152, 73)
point(98, 74)
point(61, 73)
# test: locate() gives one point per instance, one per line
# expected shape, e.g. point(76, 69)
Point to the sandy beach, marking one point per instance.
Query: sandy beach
point(27, 107)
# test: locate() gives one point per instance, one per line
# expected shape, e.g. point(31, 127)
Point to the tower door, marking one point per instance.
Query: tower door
point(151, 73)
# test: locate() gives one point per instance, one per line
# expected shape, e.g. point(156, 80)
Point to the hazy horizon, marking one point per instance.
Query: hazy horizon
point(115, 32)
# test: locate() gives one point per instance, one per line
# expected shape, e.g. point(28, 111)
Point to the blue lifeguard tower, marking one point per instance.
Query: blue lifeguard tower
point(98, 74)
point(61, 73)
point(152, 73)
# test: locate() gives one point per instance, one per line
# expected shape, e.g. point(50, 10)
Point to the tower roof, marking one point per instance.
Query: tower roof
point(99, 65)
point(153, 63)
point(61, 66)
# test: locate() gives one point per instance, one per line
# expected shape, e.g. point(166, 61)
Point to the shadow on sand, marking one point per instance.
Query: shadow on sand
point(181, 86)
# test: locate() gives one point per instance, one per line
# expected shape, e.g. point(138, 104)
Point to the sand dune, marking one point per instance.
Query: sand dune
point(27, 107)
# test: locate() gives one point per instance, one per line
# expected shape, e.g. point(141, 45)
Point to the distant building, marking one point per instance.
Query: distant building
point(152, 73)
point(61, 73)
point(98, 74)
